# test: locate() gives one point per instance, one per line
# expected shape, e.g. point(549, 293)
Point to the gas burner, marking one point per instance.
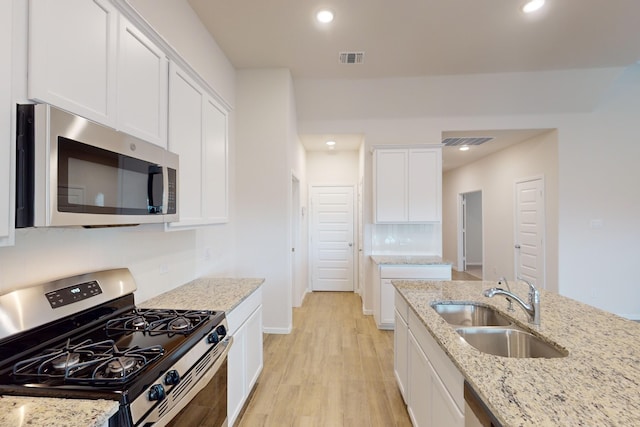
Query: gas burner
point(158, 321)
point(65, 360)
point(139, 322)
point(118, 365)
point(88, 362)
point(179, 324)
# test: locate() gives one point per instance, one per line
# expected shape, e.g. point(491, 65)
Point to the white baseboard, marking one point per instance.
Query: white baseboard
point(367, 312)
point(635, 317)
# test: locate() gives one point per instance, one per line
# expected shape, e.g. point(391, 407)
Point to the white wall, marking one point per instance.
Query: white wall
point(495, 176)
point(42, 254)
point(263, 175)
point(333, 167)
point(595, 113)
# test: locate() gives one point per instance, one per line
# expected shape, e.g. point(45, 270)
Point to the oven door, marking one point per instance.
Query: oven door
point(203, 401)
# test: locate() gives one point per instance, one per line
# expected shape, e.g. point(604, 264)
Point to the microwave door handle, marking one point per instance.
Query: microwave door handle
point(154, 170)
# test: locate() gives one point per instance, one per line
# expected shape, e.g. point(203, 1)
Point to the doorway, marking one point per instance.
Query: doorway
point(332, 237)
point(470, 236)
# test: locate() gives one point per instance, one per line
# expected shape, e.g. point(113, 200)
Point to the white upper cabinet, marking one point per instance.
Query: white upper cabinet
point(6, 119)
point(142, 86)
point(85, 57)
point(215, 162)
point(408, 185)
point(72, 56)
point(198, 134)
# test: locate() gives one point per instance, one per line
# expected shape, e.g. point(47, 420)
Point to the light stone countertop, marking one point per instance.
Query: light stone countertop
point(19, 411)
point(208, 293)
point(597, 384)
point(409, 260)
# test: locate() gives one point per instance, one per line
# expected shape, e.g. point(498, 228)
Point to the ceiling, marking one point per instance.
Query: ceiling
point(424, 38)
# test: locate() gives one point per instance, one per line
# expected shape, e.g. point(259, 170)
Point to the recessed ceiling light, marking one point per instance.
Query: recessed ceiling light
point(330, 143)
point(532, 6)
point(464, 148)
point(324, 16)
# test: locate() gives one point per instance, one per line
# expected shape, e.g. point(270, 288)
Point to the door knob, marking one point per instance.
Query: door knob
point(517, 246)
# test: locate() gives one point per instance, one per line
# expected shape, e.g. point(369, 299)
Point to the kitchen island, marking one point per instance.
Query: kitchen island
point(208, 293)
point(596, 384)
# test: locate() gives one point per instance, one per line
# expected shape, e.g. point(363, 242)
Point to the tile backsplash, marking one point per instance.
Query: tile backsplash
point(406, 239)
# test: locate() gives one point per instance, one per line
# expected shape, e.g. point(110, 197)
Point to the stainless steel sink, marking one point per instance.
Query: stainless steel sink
point(509, 342)
point(470, 314)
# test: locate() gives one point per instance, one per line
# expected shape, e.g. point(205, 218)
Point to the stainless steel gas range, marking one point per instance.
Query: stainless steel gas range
point(83, 337)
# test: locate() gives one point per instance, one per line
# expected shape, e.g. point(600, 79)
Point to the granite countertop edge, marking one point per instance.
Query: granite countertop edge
point(206, 293)
point(596, 384)
point(409, 260)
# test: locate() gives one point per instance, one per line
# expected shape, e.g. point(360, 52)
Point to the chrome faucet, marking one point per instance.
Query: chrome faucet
point(500, 282)
point(532, 308)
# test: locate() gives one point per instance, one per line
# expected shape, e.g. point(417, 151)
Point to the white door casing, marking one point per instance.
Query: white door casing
point(529, 238)
point(332, 236)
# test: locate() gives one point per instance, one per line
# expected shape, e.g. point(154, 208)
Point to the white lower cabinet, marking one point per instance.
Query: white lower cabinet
point(401, 346)
point(383, 312)
point(433, 386)
point(245, 356)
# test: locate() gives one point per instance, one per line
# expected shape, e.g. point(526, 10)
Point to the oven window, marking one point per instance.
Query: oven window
point(96, 181)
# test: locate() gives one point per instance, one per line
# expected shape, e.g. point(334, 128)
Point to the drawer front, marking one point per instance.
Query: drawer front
point(242, 311)
point(428, 272)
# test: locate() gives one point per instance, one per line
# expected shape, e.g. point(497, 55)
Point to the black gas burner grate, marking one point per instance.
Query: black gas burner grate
point(87, 362)
point(159, 321)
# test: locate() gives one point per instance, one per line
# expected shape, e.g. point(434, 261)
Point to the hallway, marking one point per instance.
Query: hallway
point(334, 369)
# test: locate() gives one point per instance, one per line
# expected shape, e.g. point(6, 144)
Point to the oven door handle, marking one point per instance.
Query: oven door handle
point(198, 386)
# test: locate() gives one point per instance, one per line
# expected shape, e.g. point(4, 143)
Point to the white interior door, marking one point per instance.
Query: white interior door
point(529, 233)
point(332, 234)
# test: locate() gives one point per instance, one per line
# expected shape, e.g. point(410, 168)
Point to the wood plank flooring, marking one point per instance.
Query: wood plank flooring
point(335, 369)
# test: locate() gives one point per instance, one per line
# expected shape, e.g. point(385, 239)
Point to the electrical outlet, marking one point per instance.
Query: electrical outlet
point(164, 268)
point(207, 254)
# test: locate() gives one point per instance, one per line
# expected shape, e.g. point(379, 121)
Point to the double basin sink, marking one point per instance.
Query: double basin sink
point(489, 331)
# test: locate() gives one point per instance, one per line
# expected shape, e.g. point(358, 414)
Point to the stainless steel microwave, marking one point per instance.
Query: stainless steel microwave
point(73, 172)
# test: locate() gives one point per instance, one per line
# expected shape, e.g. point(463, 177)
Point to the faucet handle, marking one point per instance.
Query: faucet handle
point(534, 294)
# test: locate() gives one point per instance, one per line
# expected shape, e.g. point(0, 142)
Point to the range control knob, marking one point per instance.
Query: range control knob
point(172, 377)
point(156, 392)
point(213, 338)
point(221, 330)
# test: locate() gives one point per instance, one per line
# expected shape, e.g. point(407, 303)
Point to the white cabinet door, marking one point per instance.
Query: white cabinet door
point(419, 380)
point(444, 411)
point(245, 356)
point(391, 168)
point(72, 56)
point(408, 185)
point(425, 185)
point(386, 303)
point(198, 134)
point(236, 375)
point(216, 163)
point(400, 354)
point(142, 86)
point(185, 139)
point(253, 355)
point(6, 115)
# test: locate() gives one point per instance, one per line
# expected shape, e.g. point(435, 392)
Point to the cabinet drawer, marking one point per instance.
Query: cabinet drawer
point(437, 272)
point(401, 306)
point(446, 370)
point(242, 311)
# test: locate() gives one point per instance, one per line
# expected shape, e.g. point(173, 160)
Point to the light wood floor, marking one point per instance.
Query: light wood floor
point(334, 369)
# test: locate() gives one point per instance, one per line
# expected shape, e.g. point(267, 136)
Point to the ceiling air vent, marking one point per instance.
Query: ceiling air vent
point(454, 142)
point(351, 57)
